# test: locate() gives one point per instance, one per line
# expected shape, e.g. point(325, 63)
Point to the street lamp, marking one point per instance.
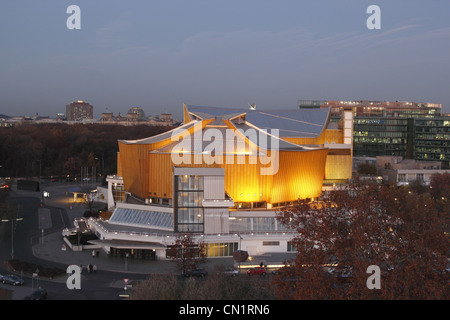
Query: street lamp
point(35, 275)
point(40, 169)
point(240, 238)
point(12, 233)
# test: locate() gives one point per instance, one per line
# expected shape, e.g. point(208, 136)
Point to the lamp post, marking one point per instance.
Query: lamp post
point(240, 239)
point(12, 233)
point(102, 164)
point(35, 275)
point(40, 169)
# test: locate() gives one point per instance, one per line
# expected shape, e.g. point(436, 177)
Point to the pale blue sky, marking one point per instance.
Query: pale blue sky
point(157, 54)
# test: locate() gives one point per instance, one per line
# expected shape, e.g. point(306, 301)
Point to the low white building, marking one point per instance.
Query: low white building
point(399, 171)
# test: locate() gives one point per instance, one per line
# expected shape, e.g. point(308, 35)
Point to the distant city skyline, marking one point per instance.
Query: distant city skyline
point(157, 54)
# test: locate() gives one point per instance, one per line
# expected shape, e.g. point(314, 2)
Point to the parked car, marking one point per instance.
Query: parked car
point(261, 271)
point(233, 272)
point(13, 279)
point(39, 294)
point(197, 273)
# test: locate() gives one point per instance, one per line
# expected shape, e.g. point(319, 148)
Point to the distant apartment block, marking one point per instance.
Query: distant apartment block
point(79, 110)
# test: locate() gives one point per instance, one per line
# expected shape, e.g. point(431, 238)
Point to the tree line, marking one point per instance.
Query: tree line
point(34, 150)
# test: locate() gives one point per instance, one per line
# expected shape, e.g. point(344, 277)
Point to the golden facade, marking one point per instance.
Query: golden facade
point(301, 149)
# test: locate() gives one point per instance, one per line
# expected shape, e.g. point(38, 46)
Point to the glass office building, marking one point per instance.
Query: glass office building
point(381, 136)
point(432, 139)
point(413, 130)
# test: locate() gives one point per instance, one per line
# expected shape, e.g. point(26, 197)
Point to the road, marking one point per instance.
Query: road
point(103, 285)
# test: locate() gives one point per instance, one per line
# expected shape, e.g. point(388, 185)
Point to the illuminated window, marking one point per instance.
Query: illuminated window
point(188, 203)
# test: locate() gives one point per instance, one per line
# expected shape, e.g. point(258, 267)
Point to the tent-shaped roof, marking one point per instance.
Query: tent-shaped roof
point(301, 123)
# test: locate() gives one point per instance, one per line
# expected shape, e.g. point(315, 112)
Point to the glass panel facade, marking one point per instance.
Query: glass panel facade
point(188, 204)
point(142, 218)
point(432, 140)
point(222, 249)
point(380, 136)
point(256, 224)
point(118, 192)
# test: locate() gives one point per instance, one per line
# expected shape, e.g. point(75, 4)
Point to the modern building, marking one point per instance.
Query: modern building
point(410, 130)
point(79, 110)
point(382, 136)
point(431, 139)
point(367, 108)
point(223, 175)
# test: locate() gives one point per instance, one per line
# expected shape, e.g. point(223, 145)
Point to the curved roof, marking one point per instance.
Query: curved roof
point(304, 123)
point(162, 136)
point(301, 123)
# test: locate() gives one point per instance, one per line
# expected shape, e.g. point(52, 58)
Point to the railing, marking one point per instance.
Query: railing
point(165, 236)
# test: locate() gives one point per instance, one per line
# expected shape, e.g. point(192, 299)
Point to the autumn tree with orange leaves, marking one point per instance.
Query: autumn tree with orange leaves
point(403, 233)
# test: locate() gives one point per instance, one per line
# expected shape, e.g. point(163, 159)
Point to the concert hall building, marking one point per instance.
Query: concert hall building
point(222, 176)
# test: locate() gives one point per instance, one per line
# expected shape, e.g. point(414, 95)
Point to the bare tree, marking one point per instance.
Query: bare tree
point(186, 253)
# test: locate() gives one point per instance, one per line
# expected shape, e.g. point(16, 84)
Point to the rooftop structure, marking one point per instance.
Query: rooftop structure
point(368, 108)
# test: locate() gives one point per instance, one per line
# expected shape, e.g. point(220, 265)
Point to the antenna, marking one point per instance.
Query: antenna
point(252, 106)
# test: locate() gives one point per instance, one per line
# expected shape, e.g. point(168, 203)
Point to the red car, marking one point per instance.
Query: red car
point(261, 271)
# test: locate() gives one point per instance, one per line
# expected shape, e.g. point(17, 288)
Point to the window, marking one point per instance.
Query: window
point(271, 243)
point(118, 192)
point(223, 249)
point(188, 203)
point(291, 247)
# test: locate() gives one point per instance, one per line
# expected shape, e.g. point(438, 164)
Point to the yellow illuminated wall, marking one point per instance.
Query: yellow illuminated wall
point(300, 175)
point(338, 167)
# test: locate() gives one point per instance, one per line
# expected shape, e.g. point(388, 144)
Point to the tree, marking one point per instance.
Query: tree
point(440, 190)
point(62, 149)
point(362, 225)
point(89, 199)
point(186, 253)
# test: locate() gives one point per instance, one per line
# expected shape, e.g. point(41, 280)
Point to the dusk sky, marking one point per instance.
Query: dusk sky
point(157, 54)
